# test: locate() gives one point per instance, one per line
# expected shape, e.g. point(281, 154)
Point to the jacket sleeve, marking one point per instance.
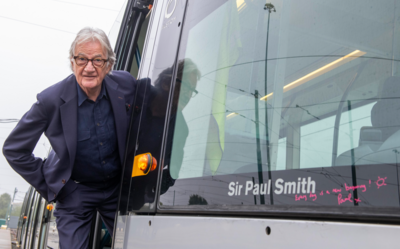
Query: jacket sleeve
point(20, 144)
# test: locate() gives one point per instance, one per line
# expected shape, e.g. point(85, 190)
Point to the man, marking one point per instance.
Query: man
point(85, 117)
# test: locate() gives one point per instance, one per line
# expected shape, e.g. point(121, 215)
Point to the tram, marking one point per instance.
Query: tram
point(257, 124)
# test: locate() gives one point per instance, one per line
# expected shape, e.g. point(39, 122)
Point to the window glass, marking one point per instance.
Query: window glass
point(39, 219)
point(351, 123)
point(316, 143)
point(52, 237)
point(30, 235)
point(26, 215)
point(297, 104)
point(149, 111)
point(139, 48)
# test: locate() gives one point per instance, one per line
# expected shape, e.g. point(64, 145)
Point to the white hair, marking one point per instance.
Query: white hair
point(89, 34)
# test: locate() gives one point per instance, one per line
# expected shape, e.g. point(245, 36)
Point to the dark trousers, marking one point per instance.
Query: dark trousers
point(74, 214)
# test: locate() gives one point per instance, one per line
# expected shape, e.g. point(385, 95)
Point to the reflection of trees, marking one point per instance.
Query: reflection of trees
point(197, 200)
point(5, 200)
point(16, 209)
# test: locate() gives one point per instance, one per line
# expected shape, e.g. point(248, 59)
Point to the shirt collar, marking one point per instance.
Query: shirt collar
point(82, 95)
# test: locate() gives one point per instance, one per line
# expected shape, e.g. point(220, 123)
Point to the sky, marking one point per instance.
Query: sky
point(35, 37)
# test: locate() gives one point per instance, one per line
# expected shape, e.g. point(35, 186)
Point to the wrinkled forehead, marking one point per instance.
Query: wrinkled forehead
point(91, 47)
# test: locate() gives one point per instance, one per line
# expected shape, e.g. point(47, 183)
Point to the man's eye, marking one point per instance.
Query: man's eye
point(81, 58)
point(97, 60)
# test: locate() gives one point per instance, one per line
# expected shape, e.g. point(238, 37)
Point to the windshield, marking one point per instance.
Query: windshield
point(297, 103)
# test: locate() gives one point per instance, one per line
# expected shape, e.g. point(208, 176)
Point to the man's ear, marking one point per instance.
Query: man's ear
point(109, 69)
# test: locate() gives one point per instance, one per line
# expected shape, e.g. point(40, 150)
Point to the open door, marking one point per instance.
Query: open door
point(129, 48)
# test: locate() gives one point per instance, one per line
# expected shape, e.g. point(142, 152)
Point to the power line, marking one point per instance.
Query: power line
point(90, 6)
point(10, 176)
point(36, 24)
point(8, 120)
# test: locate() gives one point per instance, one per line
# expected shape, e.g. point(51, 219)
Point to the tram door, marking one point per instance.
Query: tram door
point(129, 48)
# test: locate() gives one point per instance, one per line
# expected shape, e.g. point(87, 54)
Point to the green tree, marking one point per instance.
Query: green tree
point(197, 200)
point(5, 200)
point(16, 211)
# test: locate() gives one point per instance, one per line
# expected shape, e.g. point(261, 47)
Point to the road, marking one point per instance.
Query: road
point(5, 239)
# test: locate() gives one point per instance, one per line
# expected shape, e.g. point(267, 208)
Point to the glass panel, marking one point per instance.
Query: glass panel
point(291, 94)
point(52, 237)
point(30, 235)
point(139, 49)
point(38, 223)
point(105, 237)
point(316, 142)
point(26, 215)
point(150, 114)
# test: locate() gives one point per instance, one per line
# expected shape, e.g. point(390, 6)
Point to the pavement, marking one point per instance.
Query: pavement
point(5, 239)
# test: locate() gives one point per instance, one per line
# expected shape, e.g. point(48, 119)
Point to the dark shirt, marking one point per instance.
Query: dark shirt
point(97, 162)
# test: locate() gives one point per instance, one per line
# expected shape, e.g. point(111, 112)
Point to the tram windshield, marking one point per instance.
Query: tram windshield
point(298, 103)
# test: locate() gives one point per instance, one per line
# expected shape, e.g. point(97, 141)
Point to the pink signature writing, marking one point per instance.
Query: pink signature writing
point(340, 200)
point(313, 196)
point(298, 198)
point(380, 182)
point(355, 187)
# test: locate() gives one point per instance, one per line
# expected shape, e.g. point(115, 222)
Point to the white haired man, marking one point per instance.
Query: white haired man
point(85, 117)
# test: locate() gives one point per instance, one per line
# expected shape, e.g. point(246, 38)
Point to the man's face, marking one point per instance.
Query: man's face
point(88, 76)
point(187, 86)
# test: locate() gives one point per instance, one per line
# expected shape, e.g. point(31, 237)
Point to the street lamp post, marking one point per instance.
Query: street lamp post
point(270, 7)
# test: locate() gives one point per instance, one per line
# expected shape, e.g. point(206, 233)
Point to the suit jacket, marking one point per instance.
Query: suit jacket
point(55, 114)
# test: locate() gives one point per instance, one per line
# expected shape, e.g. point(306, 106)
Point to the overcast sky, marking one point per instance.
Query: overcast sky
point(34, 42)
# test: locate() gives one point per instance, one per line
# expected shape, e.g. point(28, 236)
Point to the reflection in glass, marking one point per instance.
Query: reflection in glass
point(314, 61)
point(156, 99)
point(325, 99)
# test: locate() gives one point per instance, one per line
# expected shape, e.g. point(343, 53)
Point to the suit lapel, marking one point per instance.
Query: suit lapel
point(120, 117)
point(69, 117)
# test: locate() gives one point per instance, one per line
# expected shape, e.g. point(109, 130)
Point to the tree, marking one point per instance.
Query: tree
point(197, 200)
point(16, 210)
point(5, 200)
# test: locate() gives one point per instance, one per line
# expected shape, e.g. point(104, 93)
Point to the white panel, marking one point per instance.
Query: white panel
point(206, 232)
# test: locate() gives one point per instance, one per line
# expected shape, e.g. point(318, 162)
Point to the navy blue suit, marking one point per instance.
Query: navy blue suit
point(55, 115)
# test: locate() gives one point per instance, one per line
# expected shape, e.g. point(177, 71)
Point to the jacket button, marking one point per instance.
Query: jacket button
point(54, 195)
point(63, 181)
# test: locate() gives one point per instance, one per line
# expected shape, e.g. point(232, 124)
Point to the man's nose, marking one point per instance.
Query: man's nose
point(89, 67)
